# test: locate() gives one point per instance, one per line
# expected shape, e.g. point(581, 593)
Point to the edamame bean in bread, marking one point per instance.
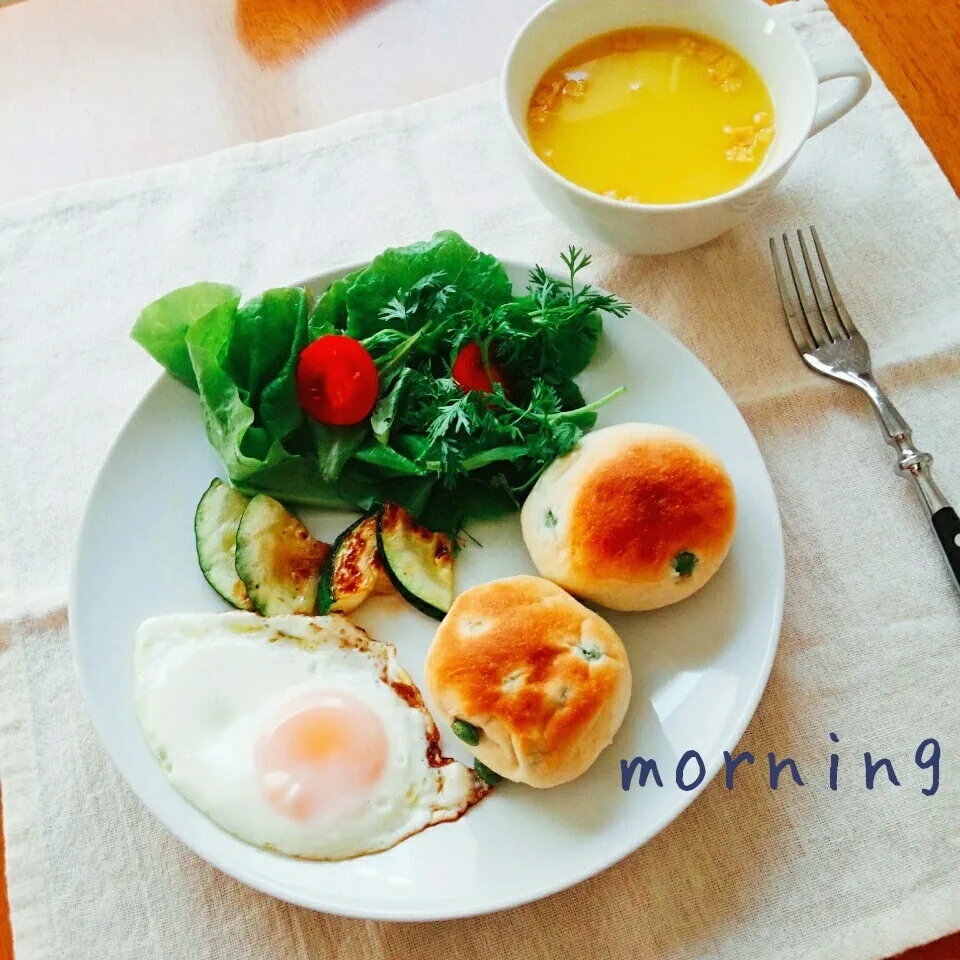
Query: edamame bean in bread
point(531, 680)
point(636, 517)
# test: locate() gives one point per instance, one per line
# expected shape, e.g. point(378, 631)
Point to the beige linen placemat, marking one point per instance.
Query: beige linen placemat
point(870, 639)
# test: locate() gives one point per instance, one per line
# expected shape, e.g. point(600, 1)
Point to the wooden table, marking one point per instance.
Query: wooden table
point(96, 88)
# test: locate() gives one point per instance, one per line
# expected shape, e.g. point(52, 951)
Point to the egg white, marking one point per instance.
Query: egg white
point(207, 685)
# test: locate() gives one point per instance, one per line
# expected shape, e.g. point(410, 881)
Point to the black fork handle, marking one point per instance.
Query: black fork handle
point(917, 465)
point(946, 525)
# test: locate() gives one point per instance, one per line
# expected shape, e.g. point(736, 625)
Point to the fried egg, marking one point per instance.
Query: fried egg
point(298, 734)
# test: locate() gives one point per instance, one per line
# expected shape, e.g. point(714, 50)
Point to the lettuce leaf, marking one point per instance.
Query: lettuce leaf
point(262, 337)
point(270, 332)
point(336, 445)
point(296, 481)
point(161, 329)
point(330, 313)
point(244, 446)
point(242, 360)
point(472, 275)
point(364, 487)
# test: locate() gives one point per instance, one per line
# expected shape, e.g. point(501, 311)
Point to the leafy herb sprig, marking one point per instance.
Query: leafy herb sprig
point(552, 331)
point(487, 448)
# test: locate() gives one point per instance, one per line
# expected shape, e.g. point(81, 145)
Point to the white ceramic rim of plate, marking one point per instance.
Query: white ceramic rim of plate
point(411, 913)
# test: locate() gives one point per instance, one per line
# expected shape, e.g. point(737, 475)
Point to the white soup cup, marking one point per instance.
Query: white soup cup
point(758, 32)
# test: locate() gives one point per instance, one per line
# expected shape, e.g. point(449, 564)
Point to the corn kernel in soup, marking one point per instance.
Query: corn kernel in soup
point(652, 115)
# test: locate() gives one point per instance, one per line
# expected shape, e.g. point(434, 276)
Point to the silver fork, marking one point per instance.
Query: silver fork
point(830, 343)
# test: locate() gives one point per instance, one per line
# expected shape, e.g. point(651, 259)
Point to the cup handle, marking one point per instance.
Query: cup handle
point(836, 68)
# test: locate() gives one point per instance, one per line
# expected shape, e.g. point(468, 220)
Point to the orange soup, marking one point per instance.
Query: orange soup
point(652, 115)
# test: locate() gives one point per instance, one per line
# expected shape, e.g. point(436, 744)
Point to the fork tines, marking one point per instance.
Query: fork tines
point(818, 319)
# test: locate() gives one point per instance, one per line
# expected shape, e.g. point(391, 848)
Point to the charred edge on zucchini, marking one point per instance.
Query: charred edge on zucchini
point(418, 561)
point(277, 559)
point(215, 526)
point(353, 569)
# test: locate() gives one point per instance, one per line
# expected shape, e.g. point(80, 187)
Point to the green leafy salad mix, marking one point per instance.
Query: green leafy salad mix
point(474, 394)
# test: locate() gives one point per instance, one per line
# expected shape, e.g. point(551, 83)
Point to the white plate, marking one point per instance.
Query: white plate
point(700, 667)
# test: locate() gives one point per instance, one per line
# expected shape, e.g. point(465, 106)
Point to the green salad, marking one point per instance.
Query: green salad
point(421, 379)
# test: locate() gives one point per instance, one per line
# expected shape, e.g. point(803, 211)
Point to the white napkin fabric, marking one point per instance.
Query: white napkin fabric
point(870, 639)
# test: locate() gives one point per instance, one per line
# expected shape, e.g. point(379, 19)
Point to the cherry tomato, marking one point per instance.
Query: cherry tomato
point(470, 373)
point(337, 380)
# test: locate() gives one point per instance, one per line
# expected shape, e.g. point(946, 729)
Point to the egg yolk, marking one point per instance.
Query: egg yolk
point(322, 756)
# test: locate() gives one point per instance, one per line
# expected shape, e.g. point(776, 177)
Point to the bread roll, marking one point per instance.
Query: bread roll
point(638, 516)
point(544, 680)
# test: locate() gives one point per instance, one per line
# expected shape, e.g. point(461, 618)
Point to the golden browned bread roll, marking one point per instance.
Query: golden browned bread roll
point(544, 680)
point(638, 516)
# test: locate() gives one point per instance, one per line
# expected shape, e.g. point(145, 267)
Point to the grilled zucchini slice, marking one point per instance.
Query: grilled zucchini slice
point(418, 561)
point(353, 569)
point(277, 559)
point(215, 530)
